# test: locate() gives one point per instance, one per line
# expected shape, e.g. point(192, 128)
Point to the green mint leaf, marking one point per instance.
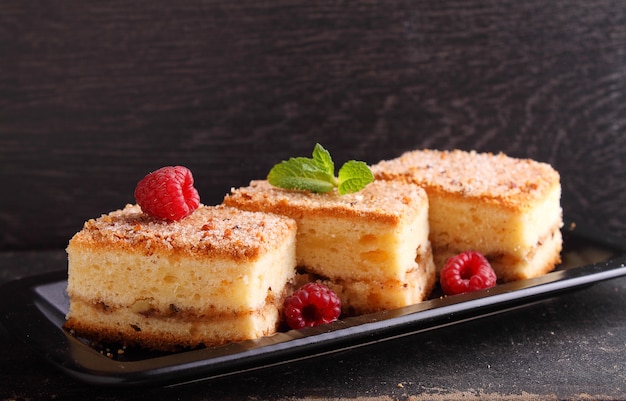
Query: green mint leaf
point(322, 157)
point(301, 173)
point(353, 177)
point(317, 174)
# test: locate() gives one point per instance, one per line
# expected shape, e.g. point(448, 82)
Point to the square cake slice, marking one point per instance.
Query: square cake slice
point(219, 275)
point(370, 247)
point(506, 208)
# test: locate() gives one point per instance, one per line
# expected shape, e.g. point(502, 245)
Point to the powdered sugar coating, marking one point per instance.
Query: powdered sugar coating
point(491, 177)
point(382, 201)
point(210, 230)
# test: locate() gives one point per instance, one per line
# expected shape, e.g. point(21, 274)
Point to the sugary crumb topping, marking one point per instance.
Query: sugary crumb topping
point(210, 230)
point(384, 201)
point(472, 174)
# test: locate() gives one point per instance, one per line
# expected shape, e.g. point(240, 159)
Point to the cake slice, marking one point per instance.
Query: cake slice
point(506, 208)
point(219, 275)
point(370, 247)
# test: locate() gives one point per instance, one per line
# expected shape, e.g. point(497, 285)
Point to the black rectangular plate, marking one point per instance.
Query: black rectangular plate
point(34, 309)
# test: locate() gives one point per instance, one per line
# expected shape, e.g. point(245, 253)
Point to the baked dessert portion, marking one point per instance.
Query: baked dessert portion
point(506, 208)
point(370, 247)
point(219, 275)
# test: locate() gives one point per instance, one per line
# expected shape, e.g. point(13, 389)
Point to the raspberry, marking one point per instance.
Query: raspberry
point(466, 272)
point(167, 193)
point(311, 305)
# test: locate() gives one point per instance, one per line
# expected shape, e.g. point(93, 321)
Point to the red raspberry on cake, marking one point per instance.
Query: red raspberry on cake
point(311, 305)
point(168, 193)
point(466, 272)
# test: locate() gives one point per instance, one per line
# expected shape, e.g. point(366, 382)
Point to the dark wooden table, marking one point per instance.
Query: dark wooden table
point(93, 96)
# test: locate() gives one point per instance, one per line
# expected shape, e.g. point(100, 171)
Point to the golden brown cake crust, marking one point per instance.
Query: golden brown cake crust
point(379, 202)
point(493, 178)
point(217, 231)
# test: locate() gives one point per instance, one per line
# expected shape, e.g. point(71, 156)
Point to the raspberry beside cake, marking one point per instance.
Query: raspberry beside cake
point(218, 275)
point(370, 247)
point(506, 208)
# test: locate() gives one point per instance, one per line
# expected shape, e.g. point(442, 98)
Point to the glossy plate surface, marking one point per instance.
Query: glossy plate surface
point(34, 310)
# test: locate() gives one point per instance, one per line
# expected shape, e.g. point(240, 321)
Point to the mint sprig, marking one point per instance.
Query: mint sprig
point(317, 174)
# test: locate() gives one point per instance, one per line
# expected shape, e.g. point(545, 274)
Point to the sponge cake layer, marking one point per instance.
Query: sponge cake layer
point(506, 208)
point(214, 263)
point(367, 239)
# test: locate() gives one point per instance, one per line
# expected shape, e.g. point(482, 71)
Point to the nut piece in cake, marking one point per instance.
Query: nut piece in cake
point(506, 208)
point(370, 247)
point(219, 275)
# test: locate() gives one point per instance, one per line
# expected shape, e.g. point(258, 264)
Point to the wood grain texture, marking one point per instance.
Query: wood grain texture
point(93, 96)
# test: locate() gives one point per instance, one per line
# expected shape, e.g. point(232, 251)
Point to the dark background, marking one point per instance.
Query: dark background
point(93, 95)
